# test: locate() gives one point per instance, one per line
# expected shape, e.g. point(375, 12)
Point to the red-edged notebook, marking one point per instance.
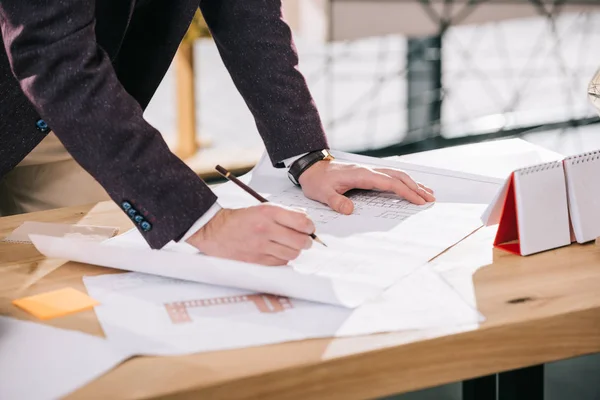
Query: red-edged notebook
point(531, 210)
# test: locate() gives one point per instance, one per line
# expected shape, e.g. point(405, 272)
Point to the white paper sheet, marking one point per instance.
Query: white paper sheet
point(200, 268)
point(97, 233)
point(422, 300)
point(493, 212)
point(159, 316)
point(458, 265)
point(42, 362)
point(374, 246)
point(382, 246)
point(382, 228)
point(449, 186)
point(385, 239)
point(496, 158)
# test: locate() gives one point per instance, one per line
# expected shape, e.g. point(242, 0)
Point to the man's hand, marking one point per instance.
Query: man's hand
point(265, 234)
point(327, 181)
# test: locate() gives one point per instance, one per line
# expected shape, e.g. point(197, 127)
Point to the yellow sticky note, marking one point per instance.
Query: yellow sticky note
point(56, 303)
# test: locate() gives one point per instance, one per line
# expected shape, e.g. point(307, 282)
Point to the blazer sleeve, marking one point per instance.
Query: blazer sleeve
point(257, 48)
point(71, 82)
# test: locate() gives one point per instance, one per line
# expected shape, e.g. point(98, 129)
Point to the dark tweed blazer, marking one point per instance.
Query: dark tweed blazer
point(86, 69)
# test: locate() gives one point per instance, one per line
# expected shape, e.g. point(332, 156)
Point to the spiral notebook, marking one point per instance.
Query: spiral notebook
point(583, 185)
point(531, 210)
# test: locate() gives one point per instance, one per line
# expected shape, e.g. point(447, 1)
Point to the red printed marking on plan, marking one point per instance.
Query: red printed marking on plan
point(265, 303)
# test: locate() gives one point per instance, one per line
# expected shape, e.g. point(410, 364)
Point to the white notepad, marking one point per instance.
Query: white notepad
point(531, 210)
point(583, 183)
point(542, 210)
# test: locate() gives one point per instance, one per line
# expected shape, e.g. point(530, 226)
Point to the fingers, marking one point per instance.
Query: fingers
point(293, 219)
point(254, 235)
point(339, 203)
point(425, 188)
point(401, 176)
point(262, 259)
point(281, 234)
point(368, 179)
point(421, 190)
point(426, 192)
point(290, 238)
point(281, 252)
point(271, 261)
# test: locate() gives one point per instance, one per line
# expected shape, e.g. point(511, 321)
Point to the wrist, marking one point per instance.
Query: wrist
point(312, 171)
point(200, 222)
point(304, 163)
point(201, 238)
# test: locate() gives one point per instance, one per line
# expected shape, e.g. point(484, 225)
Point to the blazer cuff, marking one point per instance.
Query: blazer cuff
point(289, 161)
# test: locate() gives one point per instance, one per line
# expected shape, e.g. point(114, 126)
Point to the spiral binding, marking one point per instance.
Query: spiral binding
point(584, 157)
point(539, 168)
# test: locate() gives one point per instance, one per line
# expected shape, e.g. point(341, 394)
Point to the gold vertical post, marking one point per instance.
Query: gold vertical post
point(187, 144)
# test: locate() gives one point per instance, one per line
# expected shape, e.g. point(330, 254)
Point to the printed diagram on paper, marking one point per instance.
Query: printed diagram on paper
point(384, 239)
point(163, 316)
point(376, 204)
point(157, 315)
point(182, 311)
point(389, 205)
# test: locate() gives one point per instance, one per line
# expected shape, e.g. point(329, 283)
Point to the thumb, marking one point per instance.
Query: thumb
point(340, 203)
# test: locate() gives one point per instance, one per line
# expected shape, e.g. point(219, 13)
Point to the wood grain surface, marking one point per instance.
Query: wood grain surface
point(538, 309)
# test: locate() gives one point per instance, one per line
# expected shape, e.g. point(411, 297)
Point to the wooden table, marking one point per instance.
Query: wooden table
point(539, 309)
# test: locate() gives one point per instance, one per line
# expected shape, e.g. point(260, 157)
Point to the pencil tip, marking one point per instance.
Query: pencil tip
point(320, 241)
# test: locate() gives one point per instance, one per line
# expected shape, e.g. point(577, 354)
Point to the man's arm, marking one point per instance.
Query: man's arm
point(257, 48)
point(70, 80)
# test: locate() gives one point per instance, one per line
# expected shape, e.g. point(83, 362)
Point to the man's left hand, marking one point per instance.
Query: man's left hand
point(327, 181)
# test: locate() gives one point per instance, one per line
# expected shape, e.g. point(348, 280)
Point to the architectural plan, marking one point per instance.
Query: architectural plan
point(161, 316)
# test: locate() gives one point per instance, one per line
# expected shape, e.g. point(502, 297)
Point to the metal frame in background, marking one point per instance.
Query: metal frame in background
point(425, 93)
point(521, 384)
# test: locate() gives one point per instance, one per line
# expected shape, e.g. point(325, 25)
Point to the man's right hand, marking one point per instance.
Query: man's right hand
point(266, 234)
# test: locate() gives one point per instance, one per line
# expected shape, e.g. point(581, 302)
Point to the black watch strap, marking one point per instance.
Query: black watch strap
point(305, 162)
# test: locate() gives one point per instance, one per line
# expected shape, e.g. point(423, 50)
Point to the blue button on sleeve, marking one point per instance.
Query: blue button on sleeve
point(126, 205)
point(42, 125)
point(138, 219)
point(132, 212)
point(146, 226)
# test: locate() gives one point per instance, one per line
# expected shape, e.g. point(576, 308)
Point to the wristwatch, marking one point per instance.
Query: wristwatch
point(305, 162)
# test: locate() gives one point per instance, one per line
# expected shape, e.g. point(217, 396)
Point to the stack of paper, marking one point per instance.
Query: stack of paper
point(371, 278)
point(159, 316)
point(385, 239)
